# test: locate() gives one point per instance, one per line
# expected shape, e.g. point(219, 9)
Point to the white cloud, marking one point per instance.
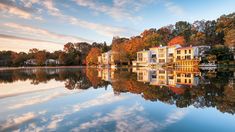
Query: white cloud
point(42, 33)
point(119, 10)
point(102, 29)
point(174, 8)
point(12, 10)
point(19, 44)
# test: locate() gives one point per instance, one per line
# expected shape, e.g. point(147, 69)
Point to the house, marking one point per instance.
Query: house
point(30, 62)
point(52, 62)
point(106, 59)
point(156, 55)
point(143, 58)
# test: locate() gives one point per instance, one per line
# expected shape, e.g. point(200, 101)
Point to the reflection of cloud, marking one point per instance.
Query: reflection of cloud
point(15, 121)
point(130, 119)
point(174, 117)
point(104, 99)
point(37, 100)
point(25, 87)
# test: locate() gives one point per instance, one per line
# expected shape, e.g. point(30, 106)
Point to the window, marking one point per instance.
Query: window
point(178, 52)
point(178, 80)
point(188, 75)
point(161, 72)
point(178, 75)
point(161, 60)
point(178, 57)
point(140, 77)
point(140, 57)
point(188, 57)
point(185, 81)
point(189, 51)
point(171, 55)
point(161, 55)
point(189, 81)
point(154, 56)
point(161, 50)
point(185, 51)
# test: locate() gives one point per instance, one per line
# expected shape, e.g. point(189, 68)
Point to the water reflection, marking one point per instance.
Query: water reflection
point(60, 99)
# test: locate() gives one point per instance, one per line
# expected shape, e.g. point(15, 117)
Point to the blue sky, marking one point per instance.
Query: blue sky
point(48, 24)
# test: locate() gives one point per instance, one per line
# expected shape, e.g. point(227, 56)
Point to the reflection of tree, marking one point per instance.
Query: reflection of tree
point(215, 90)
point(92, 76)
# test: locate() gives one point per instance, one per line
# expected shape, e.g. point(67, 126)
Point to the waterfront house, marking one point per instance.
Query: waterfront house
point(31, 62)
point(106, 59)
point(171, 55)
point(52, 62)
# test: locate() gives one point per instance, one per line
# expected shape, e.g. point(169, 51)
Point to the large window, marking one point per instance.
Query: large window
point(188, 57)
point(140, 77)
point(178, 57)
point(178, 51)
point(154, 56)
point(140, 57)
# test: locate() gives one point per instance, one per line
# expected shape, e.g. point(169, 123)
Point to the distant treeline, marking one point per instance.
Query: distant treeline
point(219, 34)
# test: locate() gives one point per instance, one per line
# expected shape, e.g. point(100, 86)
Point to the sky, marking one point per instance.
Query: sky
point(49, 24)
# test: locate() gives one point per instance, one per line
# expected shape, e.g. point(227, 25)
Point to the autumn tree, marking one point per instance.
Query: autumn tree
point(198, 38)
point(132, 46)
point(40, 57)
point(177, 40)
point(119, 54)
point(151, 38)
point(92, 57)
point(230, 38)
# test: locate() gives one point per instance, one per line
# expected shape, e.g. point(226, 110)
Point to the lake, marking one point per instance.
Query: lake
point(137, 99)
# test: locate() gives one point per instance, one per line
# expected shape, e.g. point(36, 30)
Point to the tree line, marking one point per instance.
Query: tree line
point(219, 34)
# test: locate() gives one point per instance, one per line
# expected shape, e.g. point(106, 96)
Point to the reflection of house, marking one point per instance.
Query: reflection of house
point(172, 54)
point(106, 58)
point(106, 74)
point(172, 79)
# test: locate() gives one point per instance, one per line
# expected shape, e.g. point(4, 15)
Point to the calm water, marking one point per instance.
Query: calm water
point(76, 99)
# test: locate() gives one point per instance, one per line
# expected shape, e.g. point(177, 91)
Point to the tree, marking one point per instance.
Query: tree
point(18, 58)
point(152, 38)
point(230, 38)
point(177, 40)
point(40, 57)
point(69, 47)
point(183, 28)
point(92, 57)
point(198, 38)
point(119, 55)
point(132, 46)
point(210, 32)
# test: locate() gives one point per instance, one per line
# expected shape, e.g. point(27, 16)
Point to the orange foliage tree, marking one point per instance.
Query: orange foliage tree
point(132, 46)
point(177, 40)
point(92, 57)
